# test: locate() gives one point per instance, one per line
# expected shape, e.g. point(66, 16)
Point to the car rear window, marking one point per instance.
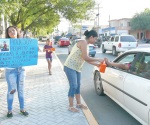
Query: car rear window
point(127, 39)
point(64, 39)
point(91, 47)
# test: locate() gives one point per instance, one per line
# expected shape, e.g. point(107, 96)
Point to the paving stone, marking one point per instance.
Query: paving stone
point(45, 98)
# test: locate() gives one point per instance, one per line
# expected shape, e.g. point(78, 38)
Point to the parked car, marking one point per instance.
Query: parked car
point(129, 88)
point(56, 39)
point(92, 51)
point(44, 38)
point(98, 42)
point(63, 42)
point(119, 43)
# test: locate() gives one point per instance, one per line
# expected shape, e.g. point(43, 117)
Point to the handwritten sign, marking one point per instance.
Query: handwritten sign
point(18, 52)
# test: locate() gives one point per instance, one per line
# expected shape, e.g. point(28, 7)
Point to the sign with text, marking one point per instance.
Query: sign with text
point(18, 52)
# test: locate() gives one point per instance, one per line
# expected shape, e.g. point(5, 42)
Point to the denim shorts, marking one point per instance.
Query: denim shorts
point(74, 79)
point(49, 59)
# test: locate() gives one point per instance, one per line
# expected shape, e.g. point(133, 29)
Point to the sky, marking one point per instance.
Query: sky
point(115, 8)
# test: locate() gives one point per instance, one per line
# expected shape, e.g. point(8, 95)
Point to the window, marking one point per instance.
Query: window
point(117, 39)
point(127, 39)
point(121, 24)
point(128, 23)
point(112, 39)
point(126, 59)
point(141, 65)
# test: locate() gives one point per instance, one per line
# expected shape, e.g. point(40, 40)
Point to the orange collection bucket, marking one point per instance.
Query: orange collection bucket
point(102, 67)
point(53, 49)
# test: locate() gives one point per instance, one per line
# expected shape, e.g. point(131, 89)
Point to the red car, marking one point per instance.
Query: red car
point(63, 42)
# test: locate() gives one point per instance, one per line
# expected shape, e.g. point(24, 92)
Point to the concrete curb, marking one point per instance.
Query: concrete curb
point(88, 114)
point(2, 73)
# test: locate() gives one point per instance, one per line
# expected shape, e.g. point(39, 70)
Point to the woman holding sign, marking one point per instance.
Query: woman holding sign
point(48, 49)
point(73, 66)
point(15, 78)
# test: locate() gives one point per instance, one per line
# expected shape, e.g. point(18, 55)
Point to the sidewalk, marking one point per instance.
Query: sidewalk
point(45, 98)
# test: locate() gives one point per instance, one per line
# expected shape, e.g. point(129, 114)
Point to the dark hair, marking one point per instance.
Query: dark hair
point(18, 33)
point(90, 33)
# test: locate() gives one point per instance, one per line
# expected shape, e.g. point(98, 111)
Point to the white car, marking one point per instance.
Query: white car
point(129, 88)
point(44, 38)
point(119, 43)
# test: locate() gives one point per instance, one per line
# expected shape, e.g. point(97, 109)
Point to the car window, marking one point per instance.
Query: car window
point(142, 66)
point(126, 58)
point(112, 39)
point(64, 39)
point(116, 38)
point(127, 39)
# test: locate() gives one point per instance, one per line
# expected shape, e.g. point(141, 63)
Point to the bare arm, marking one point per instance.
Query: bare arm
point(118, 65)
point(83, 46)
point(95, 63)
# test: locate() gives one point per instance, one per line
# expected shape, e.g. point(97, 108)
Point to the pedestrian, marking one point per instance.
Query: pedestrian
point(73, 66)
point(47, 49)
point(15, 78)
point(5, 46)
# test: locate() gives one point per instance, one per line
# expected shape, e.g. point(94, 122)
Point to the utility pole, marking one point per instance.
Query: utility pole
point(98, 15)
point(109, 25)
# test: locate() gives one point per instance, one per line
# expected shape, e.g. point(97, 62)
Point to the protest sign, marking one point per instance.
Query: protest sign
point(18, 52)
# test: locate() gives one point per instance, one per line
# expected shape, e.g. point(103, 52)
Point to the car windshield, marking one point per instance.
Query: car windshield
point(127, 39)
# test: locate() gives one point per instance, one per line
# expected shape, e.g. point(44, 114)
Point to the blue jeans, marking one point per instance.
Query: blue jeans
point(74, 79)
point(15, 81)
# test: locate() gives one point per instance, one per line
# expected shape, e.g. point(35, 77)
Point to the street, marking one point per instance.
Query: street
point(105, 110)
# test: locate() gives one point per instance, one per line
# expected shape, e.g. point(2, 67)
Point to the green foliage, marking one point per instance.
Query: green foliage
point(41, 16)
point(141, 21)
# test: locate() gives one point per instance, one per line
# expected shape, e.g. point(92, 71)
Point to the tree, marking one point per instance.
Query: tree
point(43, 15)
point(141, 21)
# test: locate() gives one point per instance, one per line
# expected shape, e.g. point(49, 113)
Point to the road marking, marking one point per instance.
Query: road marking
point(88, 114)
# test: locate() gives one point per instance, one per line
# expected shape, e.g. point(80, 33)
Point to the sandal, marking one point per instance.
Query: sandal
point(72, 109)
point(81, 106)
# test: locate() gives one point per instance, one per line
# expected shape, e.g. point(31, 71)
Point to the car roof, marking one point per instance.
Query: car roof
point(140, 50)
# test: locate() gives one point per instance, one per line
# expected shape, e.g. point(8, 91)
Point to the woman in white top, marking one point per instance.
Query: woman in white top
point(73, 66)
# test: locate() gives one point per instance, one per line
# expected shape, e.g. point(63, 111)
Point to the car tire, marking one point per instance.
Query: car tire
point(103, 50)
point(93, 55)
point(98, 84)
point(114, 52)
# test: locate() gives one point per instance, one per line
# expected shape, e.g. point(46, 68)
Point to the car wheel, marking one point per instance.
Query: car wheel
point(114, 52)
point(93, 55)
point(103, 50)
point(99, 46)
point(98, 84)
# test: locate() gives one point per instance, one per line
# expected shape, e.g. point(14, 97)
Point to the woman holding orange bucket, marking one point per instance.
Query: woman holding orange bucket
point(73, 66)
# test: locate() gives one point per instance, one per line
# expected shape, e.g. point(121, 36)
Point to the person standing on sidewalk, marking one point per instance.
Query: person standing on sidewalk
point(48, 55)
point(15, 78)
point(73, 66)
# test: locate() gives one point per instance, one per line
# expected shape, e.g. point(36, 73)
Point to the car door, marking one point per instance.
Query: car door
point(137, 90)
point(110, 43)
point(114, 79)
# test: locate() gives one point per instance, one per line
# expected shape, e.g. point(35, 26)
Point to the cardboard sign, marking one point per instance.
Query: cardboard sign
point(18, 52)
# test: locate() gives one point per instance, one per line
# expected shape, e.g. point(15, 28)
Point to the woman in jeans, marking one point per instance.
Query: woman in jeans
point(15, 79)
point(73, 66)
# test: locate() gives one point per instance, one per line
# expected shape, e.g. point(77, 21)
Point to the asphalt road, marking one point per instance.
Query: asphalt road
point(105, 110)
